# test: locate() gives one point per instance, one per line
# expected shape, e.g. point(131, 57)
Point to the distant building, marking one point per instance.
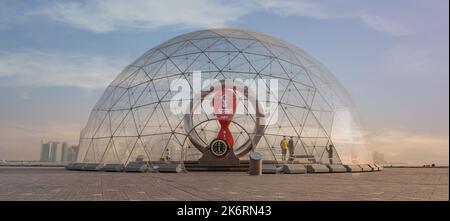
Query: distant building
point(45, 152)
point(54, 152)
point(64, 152)
point(72, 153)
point(77, 151)
point(378, 158)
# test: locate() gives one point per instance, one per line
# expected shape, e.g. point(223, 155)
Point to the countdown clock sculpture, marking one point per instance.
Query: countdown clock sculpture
point(224, 103)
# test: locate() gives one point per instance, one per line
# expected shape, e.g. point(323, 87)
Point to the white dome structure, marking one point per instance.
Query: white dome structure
point(134, 118)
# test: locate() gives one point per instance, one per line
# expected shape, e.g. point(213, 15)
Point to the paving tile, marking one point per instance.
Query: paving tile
point(410, 184)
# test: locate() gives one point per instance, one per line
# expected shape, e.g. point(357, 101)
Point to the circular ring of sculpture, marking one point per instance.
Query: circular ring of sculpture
point(249, 144)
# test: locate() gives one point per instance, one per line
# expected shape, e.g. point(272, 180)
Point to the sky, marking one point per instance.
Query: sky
point(57, 57)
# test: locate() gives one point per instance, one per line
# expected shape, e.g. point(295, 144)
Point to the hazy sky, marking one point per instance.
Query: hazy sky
point(57, 57)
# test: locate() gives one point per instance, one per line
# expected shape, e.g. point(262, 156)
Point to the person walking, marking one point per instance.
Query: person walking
point(330, 153)
point(291, 148)
point(284, 144)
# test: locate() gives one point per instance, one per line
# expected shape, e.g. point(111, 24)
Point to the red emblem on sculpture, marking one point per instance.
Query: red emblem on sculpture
point(224, 103)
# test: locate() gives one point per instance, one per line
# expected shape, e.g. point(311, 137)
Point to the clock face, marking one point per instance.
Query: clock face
point(219, 148)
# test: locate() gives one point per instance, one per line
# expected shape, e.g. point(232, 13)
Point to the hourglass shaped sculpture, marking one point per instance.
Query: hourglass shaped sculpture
point(223, 147)
point(224, 103)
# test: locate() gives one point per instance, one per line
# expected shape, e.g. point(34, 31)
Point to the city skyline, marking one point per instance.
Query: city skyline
point(52, 151)
point(57, 58)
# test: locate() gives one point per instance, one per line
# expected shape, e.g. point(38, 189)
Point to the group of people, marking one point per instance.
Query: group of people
point(286, 145)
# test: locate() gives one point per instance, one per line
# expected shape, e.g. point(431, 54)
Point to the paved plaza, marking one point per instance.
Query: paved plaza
point(58, 184)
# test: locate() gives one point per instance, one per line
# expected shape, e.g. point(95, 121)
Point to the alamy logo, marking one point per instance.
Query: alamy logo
point(226, 98)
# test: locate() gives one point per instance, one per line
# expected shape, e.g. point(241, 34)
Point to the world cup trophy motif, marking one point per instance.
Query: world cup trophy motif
point(224, 103)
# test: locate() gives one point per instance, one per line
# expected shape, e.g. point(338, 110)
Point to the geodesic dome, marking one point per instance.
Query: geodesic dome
point(133, 118)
